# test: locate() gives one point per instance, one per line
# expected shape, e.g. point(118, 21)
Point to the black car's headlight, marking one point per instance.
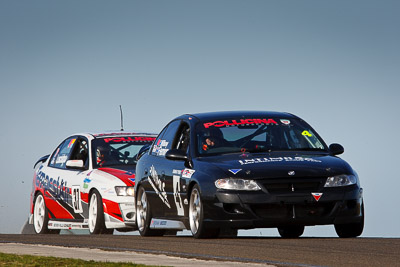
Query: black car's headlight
point(237, 184)
point(125, 191)
point(341, 180)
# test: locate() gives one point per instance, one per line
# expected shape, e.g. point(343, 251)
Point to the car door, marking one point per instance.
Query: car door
point(176, 173)
point(75, 176)
point(64, 185)
point(156, 170)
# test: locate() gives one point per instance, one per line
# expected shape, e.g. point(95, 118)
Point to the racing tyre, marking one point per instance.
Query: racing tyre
point(351, 229)
point(41, 216)
point(96, 215)
point(196, 217)
point(143, 215)
point(291, 231)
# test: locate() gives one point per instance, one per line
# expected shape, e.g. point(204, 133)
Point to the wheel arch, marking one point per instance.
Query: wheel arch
point(190, 187)
point(35, 194)
point(91, 191)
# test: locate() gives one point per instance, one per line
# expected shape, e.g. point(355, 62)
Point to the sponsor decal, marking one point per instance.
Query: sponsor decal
point(291, 173)
point(278, 159)
point(234, 171)
point(187, 173)
point(57, 188)
point(86, 182)
point(61, 159)
point(174, 171)
point(316, 196)
point(71, 143)
point(286, 122)
point(158, 186)
point(160, 148)
point(227, 123)
point(306, 133)
point(120, 134)
point(129, 139)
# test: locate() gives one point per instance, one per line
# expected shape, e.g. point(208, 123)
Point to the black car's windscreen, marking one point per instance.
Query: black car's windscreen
point(112, 151)
point(255, 135)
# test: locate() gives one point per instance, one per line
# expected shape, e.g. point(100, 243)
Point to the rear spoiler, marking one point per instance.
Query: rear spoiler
point(41, 160)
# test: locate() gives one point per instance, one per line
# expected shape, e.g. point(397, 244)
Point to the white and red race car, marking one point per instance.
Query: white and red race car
point(88, 183)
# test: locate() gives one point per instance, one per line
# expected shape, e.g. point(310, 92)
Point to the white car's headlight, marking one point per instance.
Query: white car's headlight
point(237, 184)
point(341, 180)
point(125, 191)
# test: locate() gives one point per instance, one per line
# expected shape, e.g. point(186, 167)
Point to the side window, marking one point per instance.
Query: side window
point(182, 138)
point(164, 142)
point(61, 155)
point(80, 151)
point(157, 142)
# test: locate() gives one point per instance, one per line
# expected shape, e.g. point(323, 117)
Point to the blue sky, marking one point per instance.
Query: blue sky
point(66, 66)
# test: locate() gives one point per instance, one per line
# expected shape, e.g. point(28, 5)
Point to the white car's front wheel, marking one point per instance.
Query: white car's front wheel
point(96, 215)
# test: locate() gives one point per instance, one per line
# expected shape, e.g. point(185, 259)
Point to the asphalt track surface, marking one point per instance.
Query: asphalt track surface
point(275, 251)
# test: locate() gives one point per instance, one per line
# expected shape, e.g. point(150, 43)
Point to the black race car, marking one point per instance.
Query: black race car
point(214, 173)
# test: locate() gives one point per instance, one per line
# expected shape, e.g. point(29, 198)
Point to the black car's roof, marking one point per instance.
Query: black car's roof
point(238, 114)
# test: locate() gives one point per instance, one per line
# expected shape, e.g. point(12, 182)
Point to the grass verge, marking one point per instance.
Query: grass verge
point(27, 260)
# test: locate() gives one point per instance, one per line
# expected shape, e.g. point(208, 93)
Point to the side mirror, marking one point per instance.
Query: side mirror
point(176, 154)
point(75, 164)
point(336, 149)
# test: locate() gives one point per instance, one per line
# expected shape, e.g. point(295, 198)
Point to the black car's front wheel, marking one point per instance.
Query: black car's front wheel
point(351, 229)
point(291, 231)
point(143, 215)
point(196, 216)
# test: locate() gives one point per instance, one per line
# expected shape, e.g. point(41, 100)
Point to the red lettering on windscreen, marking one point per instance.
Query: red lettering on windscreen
point(226, 123)
point(129, 139)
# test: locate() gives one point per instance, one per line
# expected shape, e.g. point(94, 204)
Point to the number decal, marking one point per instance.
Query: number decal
point(76, 199)
point(177, 196)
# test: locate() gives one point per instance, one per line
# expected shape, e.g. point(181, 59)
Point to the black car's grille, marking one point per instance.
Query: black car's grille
point(299, 185)
point(280, 211)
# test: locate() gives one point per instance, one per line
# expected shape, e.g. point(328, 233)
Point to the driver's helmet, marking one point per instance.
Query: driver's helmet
point(214, 136)
point(214, 133)
point(101, 153)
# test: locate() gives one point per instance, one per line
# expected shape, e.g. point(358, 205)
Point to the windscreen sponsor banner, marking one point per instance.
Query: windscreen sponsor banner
point(129, 139)
point(277, 159)
point(227, 123)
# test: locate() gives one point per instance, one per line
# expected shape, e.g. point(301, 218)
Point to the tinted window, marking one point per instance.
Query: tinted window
point(61, 155)
point(121, 150)
point(165, 140)
point(255, 135)
point(182, 139)
point(80, 151)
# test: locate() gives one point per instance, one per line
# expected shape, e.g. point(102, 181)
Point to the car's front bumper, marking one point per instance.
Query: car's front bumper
point(261, 209)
